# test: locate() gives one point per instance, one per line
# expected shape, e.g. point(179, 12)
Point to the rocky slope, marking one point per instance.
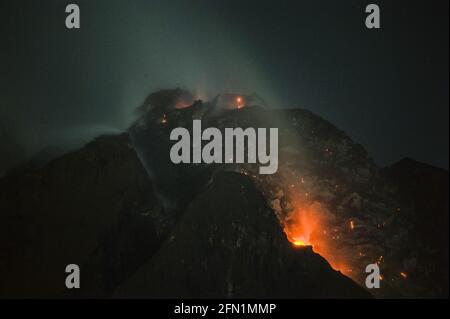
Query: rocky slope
point(327, 193)
point(139, 225)
point(96, 207)
point(82, 208)
point(232, 246)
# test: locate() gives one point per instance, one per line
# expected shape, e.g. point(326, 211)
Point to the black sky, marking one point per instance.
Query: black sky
point(387, 88)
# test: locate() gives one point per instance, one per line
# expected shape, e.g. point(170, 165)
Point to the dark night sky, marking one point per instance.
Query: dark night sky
point(388, 88)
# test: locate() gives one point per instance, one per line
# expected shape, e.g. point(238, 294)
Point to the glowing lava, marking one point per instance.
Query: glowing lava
point(181, 104)
point(299, 242)
point(299, 226)
point(239, 102)
point(308, 225)
point(163, 120)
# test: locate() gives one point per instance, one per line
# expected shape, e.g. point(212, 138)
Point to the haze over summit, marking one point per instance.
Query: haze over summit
point(388, 90)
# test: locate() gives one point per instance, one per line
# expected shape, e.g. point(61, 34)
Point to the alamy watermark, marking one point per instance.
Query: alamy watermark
point(228, 150)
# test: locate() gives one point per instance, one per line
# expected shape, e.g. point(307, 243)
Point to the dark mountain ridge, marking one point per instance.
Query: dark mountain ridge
point(139, 225)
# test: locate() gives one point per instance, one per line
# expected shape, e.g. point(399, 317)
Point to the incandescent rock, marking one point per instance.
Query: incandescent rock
point(228, 243)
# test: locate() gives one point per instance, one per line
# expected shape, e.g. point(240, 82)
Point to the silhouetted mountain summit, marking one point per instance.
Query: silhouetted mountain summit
point(140, 226)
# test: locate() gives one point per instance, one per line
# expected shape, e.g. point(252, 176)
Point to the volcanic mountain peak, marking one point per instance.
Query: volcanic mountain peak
point(327, 192)
point(112, 226)
point(124, 212)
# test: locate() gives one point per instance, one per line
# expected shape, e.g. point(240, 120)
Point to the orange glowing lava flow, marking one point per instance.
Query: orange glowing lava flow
point(308, 225)
point(299, 226)
point(239, 102)
point(300, 242)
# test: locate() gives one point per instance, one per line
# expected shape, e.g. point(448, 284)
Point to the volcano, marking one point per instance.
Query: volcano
point(141, 226)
